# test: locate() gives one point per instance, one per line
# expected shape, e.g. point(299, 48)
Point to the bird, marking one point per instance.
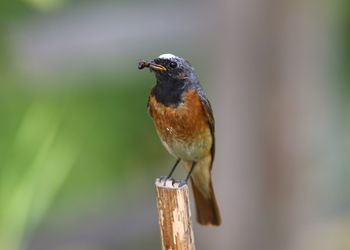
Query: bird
point(184, 122)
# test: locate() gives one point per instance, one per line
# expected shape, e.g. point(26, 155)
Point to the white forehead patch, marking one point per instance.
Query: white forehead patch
point(167, 56)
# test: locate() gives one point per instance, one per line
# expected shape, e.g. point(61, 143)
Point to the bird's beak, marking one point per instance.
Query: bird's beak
point(151, 64)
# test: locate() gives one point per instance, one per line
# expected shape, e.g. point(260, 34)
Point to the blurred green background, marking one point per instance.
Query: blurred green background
point(79, 154)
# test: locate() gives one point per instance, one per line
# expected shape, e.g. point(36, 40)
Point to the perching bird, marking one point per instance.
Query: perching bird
point(184, 122)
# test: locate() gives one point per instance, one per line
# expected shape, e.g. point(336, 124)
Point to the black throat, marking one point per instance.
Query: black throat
point(169, 92)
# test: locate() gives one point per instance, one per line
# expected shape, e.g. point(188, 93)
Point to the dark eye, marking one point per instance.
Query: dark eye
point(173, 65)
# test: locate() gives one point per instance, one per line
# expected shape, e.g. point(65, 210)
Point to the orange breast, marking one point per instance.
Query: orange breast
point(183, 129)
point(182, 122)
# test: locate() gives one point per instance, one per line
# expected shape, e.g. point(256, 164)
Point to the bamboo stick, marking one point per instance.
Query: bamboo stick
point(174, 215)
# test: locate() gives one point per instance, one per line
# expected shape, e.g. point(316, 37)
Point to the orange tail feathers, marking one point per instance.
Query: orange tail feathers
point(207, 208)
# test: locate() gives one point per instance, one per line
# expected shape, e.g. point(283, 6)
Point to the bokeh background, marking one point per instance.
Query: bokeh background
point(78, 152)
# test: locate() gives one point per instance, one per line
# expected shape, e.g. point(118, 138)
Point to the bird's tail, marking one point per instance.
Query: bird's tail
point(206, 205)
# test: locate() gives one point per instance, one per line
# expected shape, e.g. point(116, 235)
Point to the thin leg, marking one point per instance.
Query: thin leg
point(173, 169)
point(189, 173)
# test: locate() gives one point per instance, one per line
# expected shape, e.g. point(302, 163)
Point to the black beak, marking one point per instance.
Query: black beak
point(151, 64)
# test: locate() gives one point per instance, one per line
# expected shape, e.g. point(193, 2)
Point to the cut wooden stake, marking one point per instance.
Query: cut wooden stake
point(174, 216)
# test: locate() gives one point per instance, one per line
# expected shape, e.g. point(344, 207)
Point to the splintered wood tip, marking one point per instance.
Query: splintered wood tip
point(170, 183)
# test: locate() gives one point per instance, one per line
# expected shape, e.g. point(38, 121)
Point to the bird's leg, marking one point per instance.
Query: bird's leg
point(164, 178)
point(183, 182)
point(173, 169)
point(189, 173)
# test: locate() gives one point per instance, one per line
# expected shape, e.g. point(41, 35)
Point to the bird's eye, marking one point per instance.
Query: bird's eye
point(173, 65)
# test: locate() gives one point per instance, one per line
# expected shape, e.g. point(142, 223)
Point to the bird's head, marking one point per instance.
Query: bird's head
point(170, 67)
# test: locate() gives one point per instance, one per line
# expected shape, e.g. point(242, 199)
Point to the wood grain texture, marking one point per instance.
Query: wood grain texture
point(174, 216)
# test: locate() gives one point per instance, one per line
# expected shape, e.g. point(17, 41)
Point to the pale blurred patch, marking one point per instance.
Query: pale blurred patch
point(45, 5)
point(331, 234)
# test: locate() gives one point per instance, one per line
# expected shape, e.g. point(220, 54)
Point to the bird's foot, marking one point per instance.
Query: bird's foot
point(182, 183)
point(163, 178)
point(166, 181)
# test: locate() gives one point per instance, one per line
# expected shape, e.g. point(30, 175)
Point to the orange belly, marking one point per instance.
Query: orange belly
point(184, 129)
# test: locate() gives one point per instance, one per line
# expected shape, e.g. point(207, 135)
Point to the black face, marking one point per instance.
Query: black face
point(170, 68)
point(176, 68)
point(174, 76)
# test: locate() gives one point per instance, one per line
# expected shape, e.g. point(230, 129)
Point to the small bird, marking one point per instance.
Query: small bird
point(184, 121)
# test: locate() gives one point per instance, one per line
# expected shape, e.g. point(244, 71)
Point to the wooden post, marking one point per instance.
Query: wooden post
point(174, 215)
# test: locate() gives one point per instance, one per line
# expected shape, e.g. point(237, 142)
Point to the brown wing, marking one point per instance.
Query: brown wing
point(148, 107)
point(211, 122)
